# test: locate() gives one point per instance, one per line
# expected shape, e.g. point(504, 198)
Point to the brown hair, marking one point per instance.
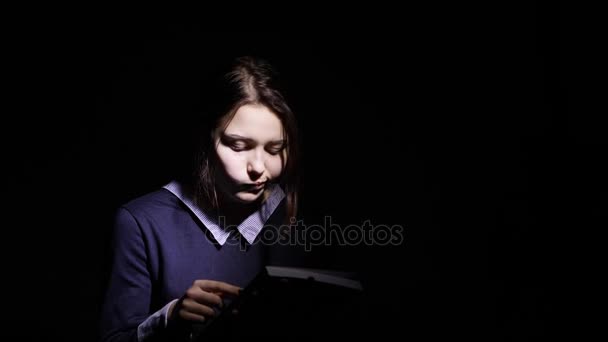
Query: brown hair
point(247, 80)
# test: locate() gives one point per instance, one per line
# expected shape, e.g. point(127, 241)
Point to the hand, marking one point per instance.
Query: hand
point(197, 304)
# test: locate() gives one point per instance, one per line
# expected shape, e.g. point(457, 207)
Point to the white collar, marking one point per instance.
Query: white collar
point(249, 228)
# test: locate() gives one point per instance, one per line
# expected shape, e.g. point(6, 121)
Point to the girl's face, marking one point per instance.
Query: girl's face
point(251, 152)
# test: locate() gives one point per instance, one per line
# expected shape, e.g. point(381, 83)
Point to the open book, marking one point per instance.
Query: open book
point(336, 278)
point(281, 300)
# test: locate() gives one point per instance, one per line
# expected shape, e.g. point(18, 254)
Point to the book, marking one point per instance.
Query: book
point(331, 277)
point(282, 301)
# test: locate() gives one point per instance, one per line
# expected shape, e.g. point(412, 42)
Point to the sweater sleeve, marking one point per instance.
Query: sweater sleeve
point(128, 294)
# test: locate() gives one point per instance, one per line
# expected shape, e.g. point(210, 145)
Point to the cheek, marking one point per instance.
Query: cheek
point(274, 166)
point(233, 163)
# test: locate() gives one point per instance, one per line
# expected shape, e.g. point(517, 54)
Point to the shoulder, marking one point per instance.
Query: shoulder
point(154, 216)
point(157, 204)
point(156, 200)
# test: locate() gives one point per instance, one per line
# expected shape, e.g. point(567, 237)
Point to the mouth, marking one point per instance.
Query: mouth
point(255, 186)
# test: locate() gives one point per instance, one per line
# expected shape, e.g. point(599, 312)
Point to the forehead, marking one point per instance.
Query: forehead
point(255, 122)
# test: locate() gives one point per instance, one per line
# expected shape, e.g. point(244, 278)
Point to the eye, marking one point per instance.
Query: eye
point(237, 145)
point(275, 148)
point(234, 143)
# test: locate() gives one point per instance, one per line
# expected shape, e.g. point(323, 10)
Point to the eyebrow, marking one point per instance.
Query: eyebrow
point(249, 140)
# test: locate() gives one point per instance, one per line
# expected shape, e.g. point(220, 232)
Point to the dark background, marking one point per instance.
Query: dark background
point(479, 134)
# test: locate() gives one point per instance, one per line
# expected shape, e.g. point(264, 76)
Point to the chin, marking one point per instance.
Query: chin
point(247, 197)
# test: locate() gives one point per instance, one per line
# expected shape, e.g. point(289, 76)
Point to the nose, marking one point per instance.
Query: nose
point(255, 166)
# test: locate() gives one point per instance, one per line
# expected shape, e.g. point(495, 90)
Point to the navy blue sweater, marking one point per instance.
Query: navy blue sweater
point(160, 248)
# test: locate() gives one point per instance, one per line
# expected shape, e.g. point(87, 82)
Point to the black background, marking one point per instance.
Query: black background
point(477, 130)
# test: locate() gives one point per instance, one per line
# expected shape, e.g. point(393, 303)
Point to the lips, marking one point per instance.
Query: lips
point(255, 186)
point(259, 185)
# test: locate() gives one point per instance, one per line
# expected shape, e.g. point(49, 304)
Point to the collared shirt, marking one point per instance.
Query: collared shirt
point(249, 228)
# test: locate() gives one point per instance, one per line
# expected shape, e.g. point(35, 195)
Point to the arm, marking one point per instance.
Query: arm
point(128, 296)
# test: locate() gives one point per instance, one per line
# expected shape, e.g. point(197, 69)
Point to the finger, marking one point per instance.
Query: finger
point(188, 316)
point(204, 297)
point(197, 308)
point(218, 286)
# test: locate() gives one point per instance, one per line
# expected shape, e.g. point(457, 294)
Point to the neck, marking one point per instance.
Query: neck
point(234, 212)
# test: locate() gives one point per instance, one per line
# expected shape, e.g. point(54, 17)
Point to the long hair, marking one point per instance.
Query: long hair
point(247, 80)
